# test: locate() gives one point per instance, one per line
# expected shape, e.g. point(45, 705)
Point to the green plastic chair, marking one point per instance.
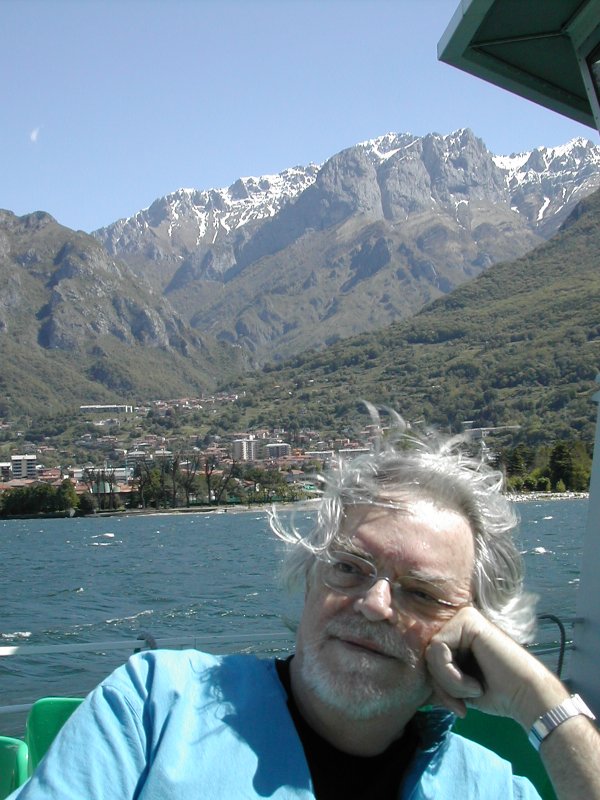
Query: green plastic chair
point(13, 764)
point(46, 717)
point(506, 738)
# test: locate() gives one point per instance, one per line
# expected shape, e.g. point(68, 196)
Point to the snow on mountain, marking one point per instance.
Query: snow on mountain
point(435, 170)
point(545, 183)
point(567, 158)
point(388, 145)
point(188, 216)
point(286, 261)
point(542, 185)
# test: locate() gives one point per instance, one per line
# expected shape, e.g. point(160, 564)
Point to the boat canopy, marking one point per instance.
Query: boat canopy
point(548, 52)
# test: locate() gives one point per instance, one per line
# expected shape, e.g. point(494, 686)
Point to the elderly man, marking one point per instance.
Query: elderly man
point(414, 600)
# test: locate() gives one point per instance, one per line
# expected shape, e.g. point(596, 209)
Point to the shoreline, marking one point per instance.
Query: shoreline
point(307, 505)
point(523, 497)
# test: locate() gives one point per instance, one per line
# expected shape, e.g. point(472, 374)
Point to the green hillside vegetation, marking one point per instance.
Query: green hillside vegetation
point(517, 346)
point(77, 327)
point(53, 380)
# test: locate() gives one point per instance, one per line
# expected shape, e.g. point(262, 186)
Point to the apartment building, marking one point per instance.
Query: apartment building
point(23, 466)
point(277, 450)
point(245, 449)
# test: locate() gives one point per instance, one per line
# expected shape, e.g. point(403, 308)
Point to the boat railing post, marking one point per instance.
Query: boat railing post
point(584, 661)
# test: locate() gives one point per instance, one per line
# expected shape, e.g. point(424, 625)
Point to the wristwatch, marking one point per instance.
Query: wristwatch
point(543, 727)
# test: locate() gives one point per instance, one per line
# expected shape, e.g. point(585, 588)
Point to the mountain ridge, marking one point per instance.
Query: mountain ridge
point(287, 184)
point(517, 348)
point(363, 241)
point(432, 211)
point(66, 302)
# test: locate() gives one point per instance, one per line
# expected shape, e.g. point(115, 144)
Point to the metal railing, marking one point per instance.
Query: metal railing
point(145, 641)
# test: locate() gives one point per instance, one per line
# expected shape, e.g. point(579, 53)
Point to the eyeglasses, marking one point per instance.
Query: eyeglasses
point(353, 575)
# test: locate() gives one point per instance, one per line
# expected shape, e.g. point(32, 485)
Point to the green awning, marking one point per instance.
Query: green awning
point(534, 48)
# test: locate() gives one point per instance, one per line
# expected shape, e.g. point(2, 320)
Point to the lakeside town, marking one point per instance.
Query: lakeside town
point(158, 471)
point(126, 457)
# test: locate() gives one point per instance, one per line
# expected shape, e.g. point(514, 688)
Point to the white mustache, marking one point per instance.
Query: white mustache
point(388, 641)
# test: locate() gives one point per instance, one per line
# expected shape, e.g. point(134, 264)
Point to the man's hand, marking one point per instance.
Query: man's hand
point(511, 682)
point(472, 662)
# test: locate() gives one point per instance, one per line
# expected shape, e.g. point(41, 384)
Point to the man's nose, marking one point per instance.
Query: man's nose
point(377, 602)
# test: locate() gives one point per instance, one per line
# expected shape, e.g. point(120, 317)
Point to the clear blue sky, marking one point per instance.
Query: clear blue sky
point(108, 104)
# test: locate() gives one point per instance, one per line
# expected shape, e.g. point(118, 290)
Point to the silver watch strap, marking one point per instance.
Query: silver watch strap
point(543, 727)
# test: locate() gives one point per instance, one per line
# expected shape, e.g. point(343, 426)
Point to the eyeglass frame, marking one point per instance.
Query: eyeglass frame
point(368, 579)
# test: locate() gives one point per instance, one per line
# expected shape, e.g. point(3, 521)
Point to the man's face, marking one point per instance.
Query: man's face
point(363, 654)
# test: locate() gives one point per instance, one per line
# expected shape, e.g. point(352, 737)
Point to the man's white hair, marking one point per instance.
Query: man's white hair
point(404, 465)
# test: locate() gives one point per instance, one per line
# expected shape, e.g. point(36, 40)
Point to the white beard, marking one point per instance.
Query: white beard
point(357, 688)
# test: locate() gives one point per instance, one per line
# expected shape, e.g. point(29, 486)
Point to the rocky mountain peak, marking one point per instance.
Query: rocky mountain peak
point(284, 261)
point(184, 217)
point(546, 183)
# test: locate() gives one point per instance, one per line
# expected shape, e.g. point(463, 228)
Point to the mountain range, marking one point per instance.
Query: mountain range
point(203, 284)
point(282, 263)
point(514, 353)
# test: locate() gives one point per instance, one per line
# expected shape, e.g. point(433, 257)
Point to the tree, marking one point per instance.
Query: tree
point(175, 474)
point(188, 476)
point(225, 481)
point(91, 478)
point(143, 479)
point(210, 463)
point(87, 503)
point(110, 483)
point(561, 466)
point(40, 498)
point(67, 496)
point(582, 467)
point(518, 460)
point(102, 484)
point(543, 484)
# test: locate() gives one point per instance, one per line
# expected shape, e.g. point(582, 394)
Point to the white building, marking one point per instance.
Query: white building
point(134, 457)
point(245, 449)
point(277, 450)
point(319, 455)
point(111, 409)
point(352, 452)
point(23, 466)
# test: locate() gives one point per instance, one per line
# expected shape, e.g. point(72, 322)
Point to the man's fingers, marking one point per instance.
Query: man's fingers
point(447, 674)
point(441, 698)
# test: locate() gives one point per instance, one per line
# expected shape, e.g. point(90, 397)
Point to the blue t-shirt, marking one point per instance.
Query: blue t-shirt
point(183, 725)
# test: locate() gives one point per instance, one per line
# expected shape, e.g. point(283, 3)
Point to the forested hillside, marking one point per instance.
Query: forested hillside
point(519, 345)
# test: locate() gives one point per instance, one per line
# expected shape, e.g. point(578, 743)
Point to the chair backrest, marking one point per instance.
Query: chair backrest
point(13, 764)
point(46, 717)
point(506, 738)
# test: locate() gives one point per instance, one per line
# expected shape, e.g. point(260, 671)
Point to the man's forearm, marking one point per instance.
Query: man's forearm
point(515, 684)
point(571, 755)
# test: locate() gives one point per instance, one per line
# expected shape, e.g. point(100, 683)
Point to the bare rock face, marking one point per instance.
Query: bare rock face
point(285, 262)
point(84, 292)
point(78, 326)
point(280, 263)
point(546, 184)
point(347, 185)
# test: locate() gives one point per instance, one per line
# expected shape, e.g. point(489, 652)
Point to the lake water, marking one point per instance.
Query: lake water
point(96, 579)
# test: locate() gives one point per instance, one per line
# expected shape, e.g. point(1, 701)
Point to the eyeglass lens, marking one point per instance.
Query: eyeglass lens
point(353, 575)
